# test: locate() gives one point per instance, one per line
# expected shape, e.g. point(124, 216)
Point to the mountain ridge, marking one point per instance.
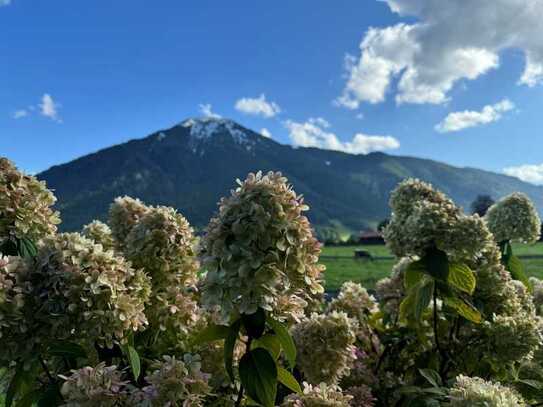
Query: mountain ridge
point(192, 164)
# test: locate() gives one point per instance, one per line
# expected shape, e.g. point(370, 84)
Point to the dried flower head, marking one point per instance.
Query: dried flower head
point(514, 218)
point(25, 205)
point(260, 247)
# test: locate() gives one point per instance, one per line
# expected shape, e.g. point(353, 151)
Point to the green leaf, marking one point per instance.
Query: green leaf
point(26, 248)
point(437, 264)
point(465, 309)
point(515, 267)
point(15, 384)
point(50, 397)
point(407, 306)
point(287, 343)
point(255, 323)
point(431, 376)
point(413, 274)
point(258, 374)
point(423, 296)
point(532, 383)
point(288, 380)
point(212, 333)
point(133, 359)
point(9, 248)
point(229, 344)
point(67, 349)
point(461, 277)
point(270, 342)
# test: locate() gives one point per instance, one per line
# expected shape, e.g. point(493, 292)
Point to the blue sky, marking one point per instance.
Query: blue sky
point(79, 76)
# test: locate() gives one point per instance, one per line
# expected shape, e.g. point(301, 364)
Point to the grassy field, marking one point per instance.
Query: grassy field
point(341, 265)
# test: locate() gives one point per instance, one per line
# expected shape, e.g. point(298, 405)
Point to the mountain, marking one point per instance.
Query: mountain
point(191, 165)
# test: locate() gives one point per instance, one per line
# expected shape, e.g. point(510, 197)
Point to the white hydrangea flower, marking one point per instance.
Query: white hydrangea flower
point(322, 395)
point(25, 205)
point(260, 248)
point(100, 233)
point(325, 345)
point(474, 391)
point(514, 218)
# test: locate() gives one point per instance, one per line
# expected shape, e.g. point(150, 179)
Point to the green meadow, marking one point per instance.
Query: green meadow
point(341, 265)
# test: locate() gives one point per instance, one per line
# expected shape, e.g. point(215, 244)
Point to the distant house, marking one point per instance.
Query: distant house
point(370, 237)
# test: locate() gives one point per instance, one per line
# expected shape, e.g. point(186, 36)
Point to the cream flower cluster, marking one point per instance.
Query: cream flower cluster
point(82, 292)
point(100, 233)
point(423, 218)
point(354, 300)
point(325, 345)
point(514, 218)
point(390, 291)
point(474, 391)
point(25, 205)
point(172, 383)
point(124, 213)
point(259, 247)
point(322, 395)
point(162, 244)
point(175, 382)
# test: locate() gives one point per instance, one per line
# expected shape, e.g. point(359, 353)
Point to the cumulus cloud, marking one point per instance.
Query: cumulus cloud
point(49, 108)
point(258, 106)
point(19, 114)
point(450, 41)
point(266, 133)
point(528, 173)
point(206, 110)
point(457, 121)
point(313, 134)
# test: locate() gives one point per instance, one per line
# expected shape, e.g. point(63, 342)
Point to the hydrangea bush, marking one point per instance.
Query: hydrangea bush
point(138, 312)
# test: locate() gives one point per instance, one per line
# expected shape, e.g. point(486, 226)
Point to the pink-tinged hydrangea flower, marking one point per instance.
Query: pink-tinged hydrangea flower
point(25, 205)
point(95, 386)
point(325, 345)
point(514, 218)
point(260, 247)
point(100, 233)
point(322, 395)
point(474, 391)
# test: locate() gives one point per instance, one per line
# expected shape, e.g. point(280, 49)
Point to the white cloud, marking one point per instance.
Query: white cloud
point(5, 3)
point(311, 134)
point(457, 121)
point(528, 173)
point(49, 108)
point(449, 42)
point(319, 121)
point(266, 133)
point(258, 106)
point(19, 114)
point(206, 110)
